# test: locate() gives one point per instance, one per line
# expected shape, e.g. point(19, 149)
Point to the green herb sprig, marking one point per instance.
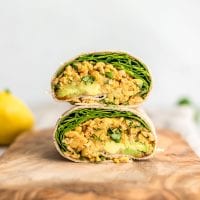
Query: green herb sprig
point(115, 134)
point(88, 79)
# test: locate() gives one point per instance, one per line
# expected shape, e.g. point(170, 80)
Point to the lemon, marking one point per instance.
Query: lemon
point(15, 117)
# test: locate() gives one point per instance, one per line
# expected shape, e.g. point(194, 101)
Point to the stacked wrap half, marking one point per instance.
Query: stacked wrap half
point(105, 124)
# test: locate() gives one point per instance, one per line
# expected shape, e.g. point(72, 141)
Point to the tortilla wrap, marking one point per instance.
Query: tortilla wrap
point(105, 134)
point(102, 78)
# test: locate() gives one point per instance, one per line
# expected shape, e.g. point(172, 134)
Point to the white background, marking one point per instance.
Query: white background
point(37, 35)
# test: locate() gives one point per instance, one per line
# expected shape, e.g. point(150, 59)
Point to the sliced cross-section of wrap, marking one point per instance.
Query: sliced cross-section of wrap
point(111, 78)
point(97, 133)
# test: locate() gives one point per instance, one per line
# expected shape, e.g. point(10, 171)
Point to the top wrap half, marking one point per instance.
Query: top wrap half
point(109, 78)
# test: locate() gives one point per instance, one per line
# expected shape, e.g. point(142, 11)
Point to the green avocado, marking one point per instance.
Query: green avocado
point(133, 149)
point(69, 91)
point(77, 90)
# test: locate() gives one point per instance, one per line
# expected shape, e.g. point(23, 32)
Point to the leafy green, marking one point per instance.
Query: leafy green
point(115, 134)
point(121, 61)
point(88, 79)
point(79, 116)
point(109, 75)
point(184, 102)
point(74, 66)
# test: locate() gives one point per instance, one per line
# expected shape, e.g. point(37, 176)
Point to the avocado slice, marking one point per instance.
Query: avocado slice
point(78, 90)
point(133, 149)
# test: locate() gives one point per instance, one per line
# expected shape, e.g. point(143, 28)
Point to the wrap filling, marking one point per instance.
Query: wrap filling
point(107, 78)
point(95, 134)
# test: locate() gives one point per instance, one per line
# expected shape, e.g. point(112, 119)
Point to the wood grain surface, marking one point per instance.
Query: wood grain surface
point(33, 169)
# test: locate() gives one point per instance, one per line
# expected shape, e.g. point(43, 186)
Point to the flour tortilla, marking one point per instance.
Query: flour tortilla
point(140, 113)
point(61, 68)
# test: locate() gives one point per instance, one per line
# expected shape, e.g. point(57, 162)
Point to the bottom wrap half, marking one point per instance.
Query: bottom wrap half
point(102, 134)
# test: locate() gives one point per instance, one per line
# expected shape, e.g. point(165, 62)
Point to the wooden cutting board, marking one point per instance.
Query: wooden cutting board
point(32, 169)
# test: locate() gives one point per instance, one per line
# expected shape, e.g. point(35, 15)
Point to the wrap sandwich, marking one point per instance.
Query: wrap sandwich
point(109, 78)
point(99, 133)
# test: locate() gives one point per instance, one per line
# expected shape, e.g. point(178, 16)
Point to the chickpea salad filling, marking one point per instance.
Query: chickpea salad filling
point(96, 134)
point(105, 78)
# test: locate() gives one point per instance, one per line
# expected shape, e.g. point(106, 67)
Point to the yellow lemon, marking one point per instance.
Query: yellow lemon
point(15, 117)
